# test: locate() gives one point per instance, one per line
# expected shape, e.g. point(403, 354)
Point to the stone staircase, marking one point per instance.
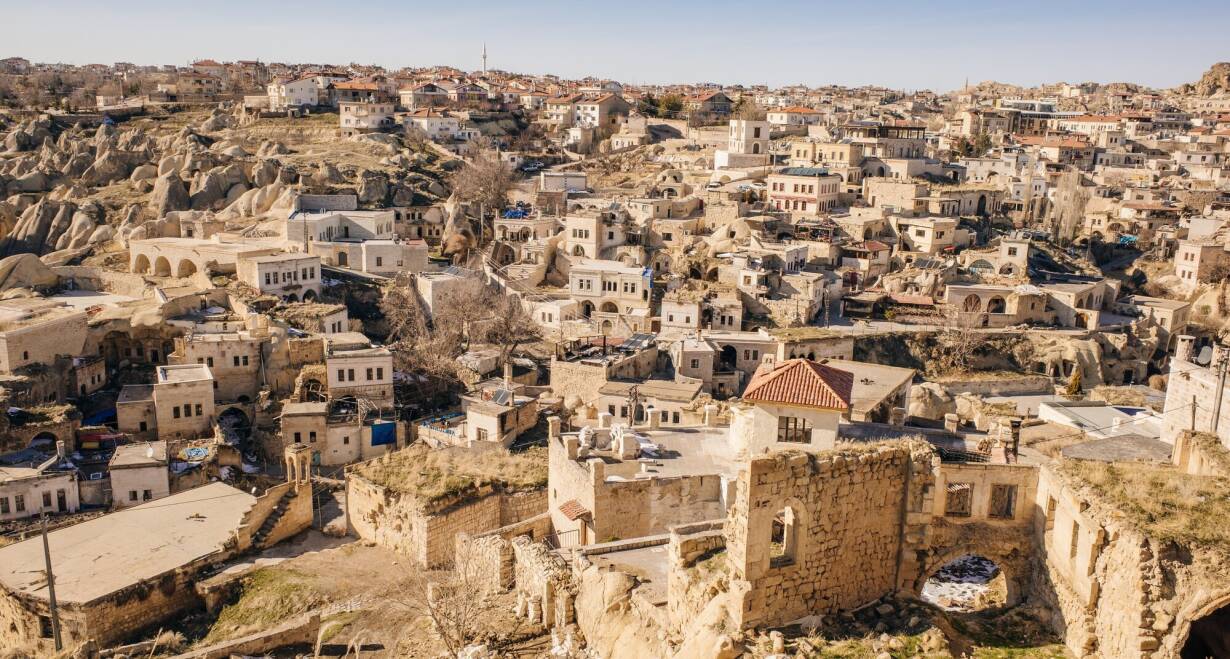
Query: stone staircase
point(271, 521)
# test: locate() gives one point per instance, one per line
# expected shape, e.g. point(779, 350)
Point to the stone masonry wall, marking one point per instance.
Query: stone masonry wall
point(843, 547)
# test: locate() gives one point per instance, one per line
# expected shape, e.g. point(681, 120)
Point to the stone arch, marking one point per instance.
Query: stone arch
point(234, 421)
point(1010, 563)
point(982, 265)
point(996, 305)
point(728, 357)
point(982, 205)
point(1007, 269)
point(587, 309)
point(1204, 629)
point(609, 307)
point(45, 439)
point(162, 267)
point(606, 327)
point(971, 303)
point(141, 264)
point(291, 297)
point(756, 149)
point(309, 295)
point(711, 274)
point(578, 250)
point(186, 268)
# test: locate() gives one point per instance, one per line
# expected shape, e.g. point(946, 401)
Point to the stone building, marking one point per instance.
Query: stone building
point(36, 331)
point(122, 573)
point(139, 474)
point(180, 404)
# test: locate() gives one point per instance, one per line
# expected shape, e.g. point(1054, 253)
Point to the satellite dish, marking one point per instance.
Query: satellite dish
point(1205, 356)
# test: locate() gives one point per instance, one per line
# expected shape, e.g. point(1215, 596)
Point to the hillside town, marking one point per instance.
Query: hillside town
point(306, 359)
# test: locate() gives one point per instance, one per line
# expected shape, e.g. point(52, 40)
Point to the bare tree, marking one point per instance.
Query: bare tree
point(456, 606)
point(484, 181)
point(959, 342)
point(511, 327)
point(1068, 210)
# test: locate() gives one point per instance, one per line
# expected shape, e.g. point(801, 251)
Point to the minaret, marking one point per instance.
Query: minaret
point(484, 58)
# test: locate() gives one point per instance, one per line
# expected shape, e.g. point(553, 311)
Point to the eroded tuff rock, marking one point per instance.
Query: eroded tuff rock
point(169, 195)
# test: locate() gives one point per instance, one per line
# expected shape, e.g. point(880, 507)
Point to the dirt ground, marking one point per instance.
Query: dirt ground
point(361, 593)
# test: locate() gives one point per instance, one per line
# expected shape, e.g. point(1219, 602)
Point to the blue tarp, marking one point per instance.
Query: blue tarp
point(99, 418)
point(384, 433)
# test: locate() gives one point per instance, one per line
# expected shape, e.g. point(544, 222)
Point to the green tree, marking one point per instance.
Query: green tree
point(670, 106)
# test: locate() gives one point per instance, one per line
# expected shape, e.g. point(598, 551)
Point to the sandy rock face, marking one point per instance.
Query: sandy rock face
point(169, 195)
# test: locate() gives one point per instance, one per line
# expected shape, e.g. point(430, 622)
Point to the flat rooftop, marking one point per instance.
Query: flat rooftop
point(872, 382)
point(98, 557)
point(284, 256)
point(694, 451)
point(184, 373)
point(139, 455)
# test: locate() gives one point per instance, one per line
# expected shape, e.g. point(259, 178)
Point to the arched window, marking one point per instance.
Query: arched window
point(784, 538)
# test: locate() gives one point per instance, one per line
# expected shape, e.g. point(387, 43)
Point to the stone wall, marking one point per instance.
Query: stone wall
point(1115, 591)
point(1201, 454)
point(424, 530)
point(829, 559)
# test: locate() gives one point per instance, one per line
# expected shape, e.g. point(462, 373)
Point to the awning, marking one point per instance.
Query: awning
point(573, 510)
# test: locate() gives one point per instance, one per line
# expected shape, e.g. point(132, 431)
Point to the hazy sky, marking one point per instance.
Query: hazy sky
point(905, 45)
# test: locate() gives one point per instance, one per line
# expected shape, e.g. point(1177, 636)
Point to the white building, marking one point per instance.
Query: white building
point(288, 275)
point(292, 94)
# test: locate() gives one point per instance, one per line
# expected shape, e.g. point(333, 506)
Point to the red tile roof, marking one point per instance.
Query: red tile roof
point(572, 509)
point(803, 383)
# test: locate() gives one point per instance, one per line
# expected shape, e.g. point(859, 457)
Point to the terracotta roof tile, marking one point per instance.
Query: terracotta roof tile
point(801, 382)
point(572, 509)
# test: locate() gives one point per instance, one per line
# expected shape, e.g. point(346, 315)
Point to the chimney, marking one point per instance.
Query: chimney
point(61, 451)
point(508, 375)
point(1184, 347)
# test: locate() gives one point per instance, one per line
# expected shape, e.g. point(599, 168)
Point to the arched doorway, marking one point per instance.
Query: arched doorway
point(609, 307)
point(587, 309)
point(45, 441)
point(292, 298)
point(728, 359)
point(756, 149)
point(972, 303)
point(140, 265)
point(982, 205)
point(162, 267)
point(235, 425)
point(308, 296)
point(996, 305)
point(1209, 636)
point(186, 269)
point(969, 583)
point(606, 327)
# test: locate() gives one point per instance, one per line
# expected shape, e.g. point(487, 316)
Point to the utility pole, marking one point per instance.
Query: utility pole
point(1222, 362)
point(51, 588)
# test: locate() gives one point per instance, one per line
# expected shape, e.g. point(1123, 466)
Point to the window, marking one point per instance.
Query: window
point(4, 505)
point(379, 261)
point(209, 361)
point(46, 499)
point(175, 412)
point(298, 437)
point(345, 439)
point(312, 436)
point(482, 435)
point(380, 373)
point(267, 281)
point(236, 360)
point(369, 374)
point(143, 426)
point(610, 410)
point(1003, 502)
point(146, 495)
point(132, 495)
point(19, 503)
point(341, 375)
point(695, 363)
point(187, 409)
point(350, 374)
point(793, 429)
point(920, 232)
point(674, 417)
point(623, 411)
point(245, 360)
point(783, 539)
point(959, 500)
point(665, 416)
